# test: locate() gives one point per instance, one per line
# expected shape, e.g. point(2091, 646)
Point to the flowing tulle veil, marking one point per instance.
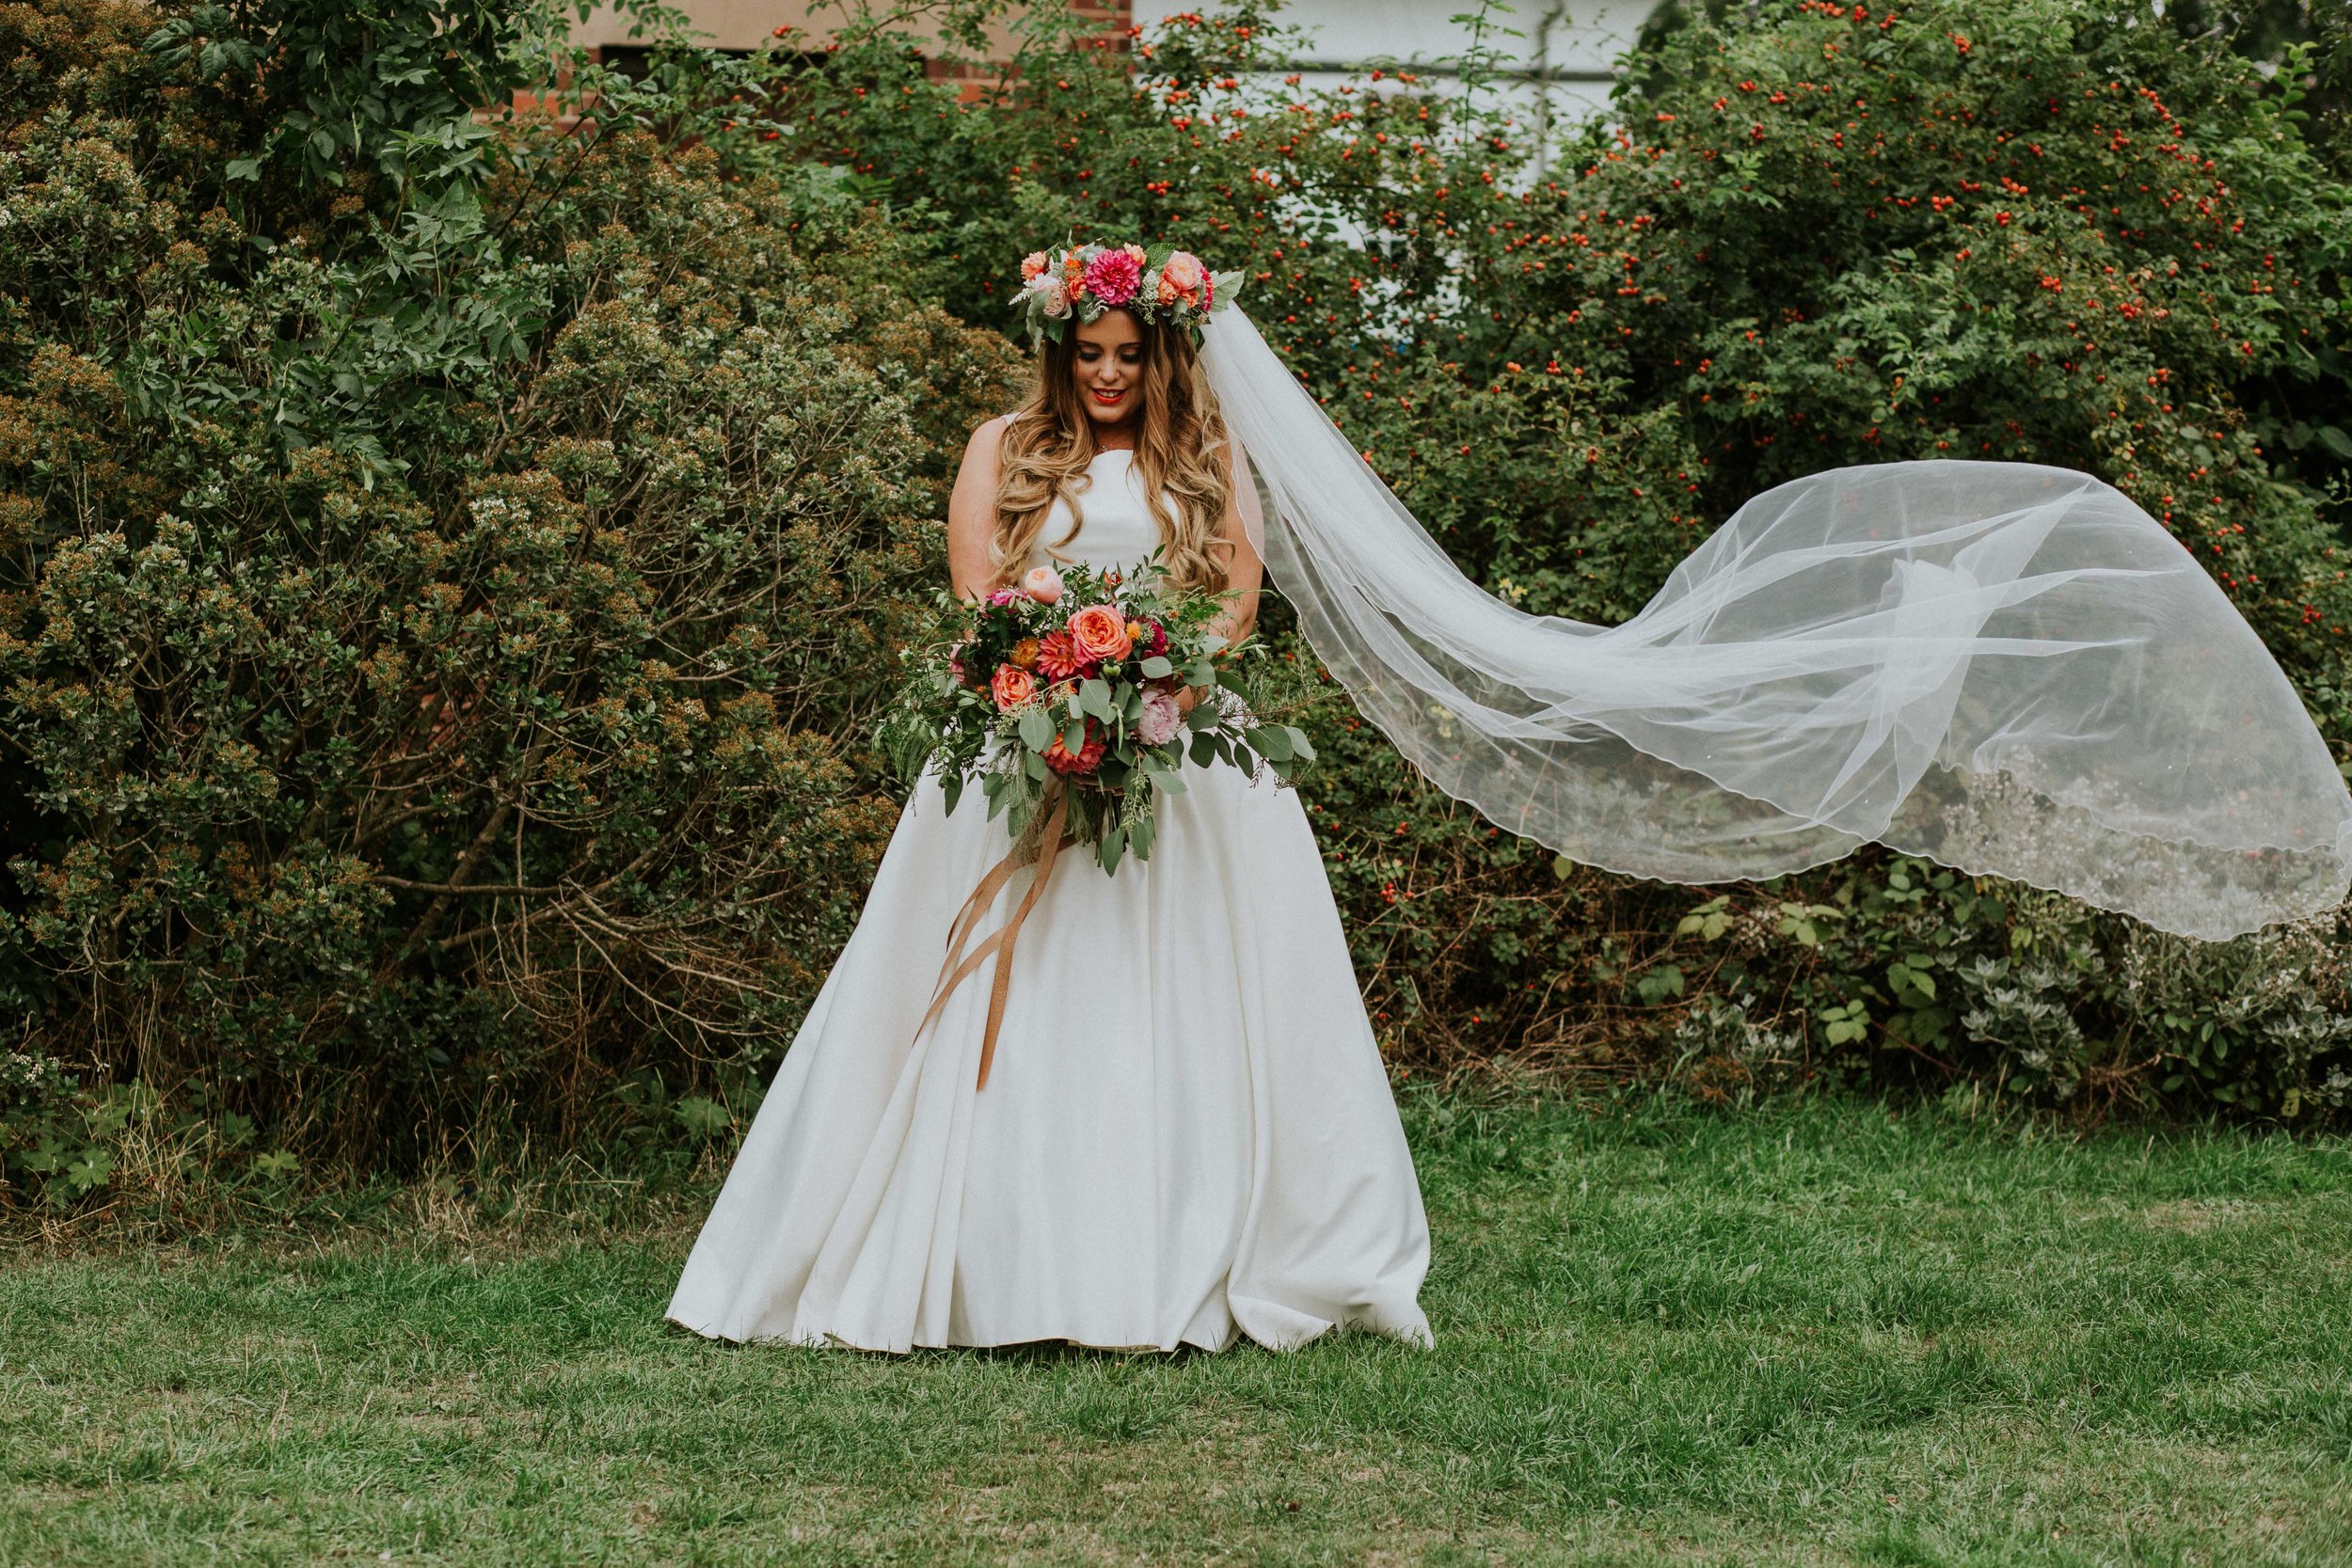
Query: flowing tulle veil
point(2005, 668)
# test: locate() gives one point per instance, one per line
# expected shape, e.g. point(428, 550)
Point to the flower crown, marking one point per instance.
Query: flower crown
point(1165, 285)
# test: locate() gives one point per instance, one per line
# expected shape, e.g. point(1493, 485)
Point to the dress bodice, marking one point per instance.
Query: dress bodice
point(1118, 528)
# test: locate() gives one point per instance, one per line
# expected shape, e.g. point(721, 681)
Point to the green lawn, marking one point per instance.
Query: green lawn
point(1807, 1334)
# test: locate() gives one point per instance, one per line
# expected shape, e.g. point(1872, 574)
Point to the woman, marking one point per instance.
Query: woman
point(2005, 666)
point(1187, 1134)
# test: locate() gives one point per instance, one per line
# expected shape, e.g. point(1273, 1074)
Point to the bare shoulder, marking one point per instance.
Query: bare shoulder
point(987, 435)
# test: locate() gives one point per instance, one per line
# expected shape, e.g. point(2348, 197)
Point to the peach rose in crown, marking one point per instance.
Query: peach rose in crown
point(1100, 632)
point(1183, 271)
point(1011, 688)
point(1043, 584)
point(1032, 265)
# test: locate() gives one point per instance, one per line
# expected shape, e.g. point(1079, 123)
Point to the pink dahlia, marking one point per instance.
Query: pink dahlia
point(1113, 277)
point(1059, 658)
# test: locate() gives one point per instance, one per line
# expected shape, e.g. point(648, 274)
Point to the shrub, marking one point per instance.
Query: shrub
point(444, 558)
point(440, 695)
point(1812, 236)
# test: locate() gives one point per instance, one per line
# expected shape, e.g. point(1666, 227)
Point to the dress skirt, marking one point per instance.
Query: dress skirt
point(1187, 1134)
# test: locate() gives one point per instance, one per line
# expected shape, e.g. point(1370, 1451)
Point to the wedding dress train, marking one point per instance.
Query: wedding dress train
point(1186, 1136)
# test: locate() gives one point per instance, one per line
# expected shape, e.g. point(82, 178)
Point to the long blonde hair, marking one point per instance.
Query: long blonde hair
point(1181, 457)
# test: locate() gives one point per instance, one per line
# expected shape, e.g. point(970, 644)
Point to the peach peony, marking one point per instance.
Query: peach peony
point(1100, 632)
point(1011, 688)
point(1043, 584)
point(1031, 264)
point(1184, 271)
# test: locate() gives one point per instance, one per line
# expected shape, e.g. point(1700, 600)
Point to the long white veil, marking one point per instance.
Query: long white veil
point(2007, 668)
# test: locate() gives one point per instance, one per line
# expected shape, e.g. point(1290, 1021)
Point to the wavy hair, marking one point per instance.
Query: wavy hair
point(1181, 457)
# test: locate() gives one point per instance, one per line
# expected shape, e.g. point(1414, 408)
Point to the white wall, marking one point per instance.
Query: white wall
point(1560, 63)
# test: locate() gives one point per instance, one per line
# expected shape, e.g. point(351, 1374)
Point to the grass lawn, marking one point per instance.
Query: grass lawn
point(1807, 1334)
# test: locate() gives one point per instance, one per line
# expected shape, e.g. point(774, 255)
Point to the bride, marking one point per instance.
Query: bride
point(1187, 1133)
point(1186, 1136)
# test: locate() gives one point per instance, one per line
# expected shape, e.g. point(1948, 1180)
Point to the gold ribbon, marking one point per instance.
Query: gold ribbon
point(1042, 847)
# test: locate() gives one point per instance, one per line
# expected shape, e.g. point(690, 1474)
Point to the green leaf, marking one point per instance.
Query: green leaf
point(1203, 750)
point(1301, 748)
point(1157, 668)
point(1036, 730)
point(1270, 741)
point(1074, 736)
point(1094, 697)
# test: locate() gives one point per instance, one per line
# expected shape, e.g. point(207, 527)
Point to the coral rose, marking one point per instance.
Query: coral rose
point(1183, 271)
point(1090, 756)
point(1114, 277)
point(1043, 583)
point(1011, 688)
point(1100, 632)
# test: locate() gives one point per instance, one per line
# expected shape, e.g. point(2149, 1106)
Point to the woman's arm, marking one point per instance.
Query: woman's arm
point(972, 511)
point(1244, 571)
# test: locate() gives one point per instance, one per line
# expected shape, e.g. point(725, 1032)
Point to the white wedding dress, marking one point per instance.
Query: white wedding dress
point(1186, 1136)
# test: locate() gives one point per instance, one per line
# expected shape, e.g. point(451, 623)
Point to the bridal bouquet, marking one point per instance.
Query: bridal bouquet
point(1070, 681)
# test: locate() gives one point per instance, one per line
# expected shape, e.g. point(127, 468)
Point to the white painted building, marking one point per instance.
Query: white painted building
point(1558, 67)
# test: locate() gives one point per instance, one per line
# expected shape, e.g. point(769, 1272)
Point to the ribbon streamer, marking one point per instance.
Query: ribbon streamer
point(1042, 848)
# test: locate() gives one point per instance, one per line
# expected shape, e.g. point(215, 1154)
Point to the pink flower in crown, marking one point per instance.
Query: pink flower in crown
point(1183, 271)
point(1032, 265)
point(1114, 277)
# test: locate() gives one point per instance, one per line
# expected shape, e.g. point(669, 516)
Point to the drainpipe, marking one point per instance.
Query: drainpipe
point(1543, 83)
